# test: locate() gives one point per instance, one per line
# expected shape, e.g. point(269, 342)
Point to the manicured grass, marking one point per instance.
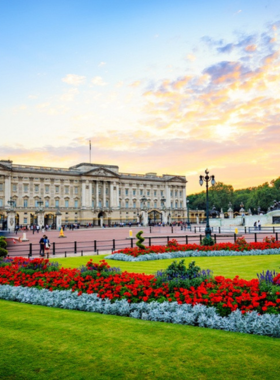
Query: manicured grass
point(244, 266)
point(47, 343)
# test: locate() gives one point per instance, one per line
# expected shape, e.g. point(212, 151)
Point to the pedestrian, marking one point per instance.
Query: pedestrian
point(255, 226)
point(38, 228)
point(42, 246)
point(259, 225)
point(47, 246)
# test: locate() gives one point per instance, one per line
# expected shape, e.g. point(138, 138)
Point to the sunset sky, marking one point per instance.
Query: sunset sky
point(156, 85)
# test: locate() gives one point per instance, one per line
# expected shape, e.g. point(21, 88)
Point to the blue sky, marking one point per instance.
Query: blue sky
point(179, 86)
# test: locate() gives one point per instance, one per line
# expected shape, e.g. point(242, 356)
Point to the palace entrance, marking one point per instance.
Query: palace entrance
point(50, 220)
point(155, 217)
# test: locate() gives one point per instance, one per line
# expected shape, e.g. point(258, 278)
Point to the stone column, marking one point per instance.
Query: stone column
point(104, 194)
point(8, 192)
point(96, 195)
point(90, 194)
point(83, 194)
point(167, 195)
point(118, 196)
point(111, 202)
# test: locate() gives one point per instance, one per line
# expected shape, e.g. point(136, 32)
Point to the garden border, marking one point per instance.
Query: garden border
point(170, 312)
point(182, 254)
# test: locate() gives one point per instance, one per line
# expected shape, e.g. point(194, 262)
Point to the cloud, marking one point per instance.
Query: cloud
point(191, 57)
point(102, 64)
point(98, 81)
point(135, 83)
point(73, 79)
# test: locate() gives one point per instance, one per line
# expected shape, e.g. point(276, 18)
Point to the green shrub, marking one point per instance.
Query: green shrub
point(140, 240)
point(207, 240)
point(3, 246)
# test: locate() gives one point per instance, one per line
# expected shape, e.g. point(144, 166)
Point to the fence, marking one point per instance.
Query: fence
point(97, 246)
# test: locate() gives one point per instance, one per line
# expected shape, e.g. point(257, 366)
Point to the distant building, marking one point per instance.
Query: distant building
point(89, 194)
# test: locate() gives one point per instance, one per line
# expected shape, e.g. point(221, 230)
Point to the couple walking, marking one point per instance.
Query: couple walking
point(45, 246)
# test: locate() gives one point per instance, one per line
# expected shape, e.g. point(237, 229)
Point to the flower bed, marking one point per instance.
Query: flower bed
point(175, 286)
point(241, 245)
point(170, 312)
point(226, 295)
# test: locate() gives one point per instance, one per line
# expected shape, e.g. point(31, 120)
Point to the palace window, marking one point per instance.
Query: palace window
point(148, 192)
point(1, 186)
point(24, 220)
point(47, 189)
point(181, 193)
point(126, 204)
point(107, 190)
point(161, 193)
point(107, 203)
point(171, 204)
point(66, 189)
point(100, 204)
point(181, 204)
point(36, 188)
point(76, 189)
point(134, 204)
point(155, 193)
point(25, 188)
point(46, 203)
point(57, 189)
point(141, 192)
point(57, 203)
point(76, 203)
point(126, 191)
point(25, 203)
point(92, 203)
point(155, 204)
point(134, 192)
point(1, 202)
point(148, 204)
point(176, 193)
point(14, 187)
point(66, 203)
point(171, 193)
point(176, 204)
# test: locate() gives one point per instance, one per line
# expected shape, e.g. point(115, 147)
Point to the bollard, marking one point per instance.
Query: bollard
point(95, 246)
point(187, 239)
point(234, 237)
point(150, 241)
point(276, 236)
point(30, 249)
point(82, 253)
point(75, 247)
point(65, 255)
point(131, 242)
point(172, 229)
point(256, 238)
point(200, 239)
point(215, 238)
point(114, 244)
point(53, 251)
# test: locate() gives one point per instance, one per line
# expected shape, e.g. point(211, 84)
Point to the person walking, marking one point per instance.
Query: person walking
point(42, 246)
point(47, 246)
point(38, 228)
point(259, 225)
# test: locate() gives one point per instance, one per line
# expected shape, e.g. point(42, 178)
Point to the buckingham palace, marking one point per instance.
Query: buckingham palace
point(87, 194)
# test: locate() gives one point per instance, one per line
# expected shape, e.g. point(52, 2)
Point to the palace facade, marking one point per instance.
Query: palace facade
point(88, 194)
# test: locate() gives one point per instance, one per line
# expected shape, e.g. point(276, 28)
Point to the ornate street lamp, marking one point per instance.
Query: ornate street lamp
point(40, 204)
point(188, 210)
point(11, 203)
point(207, 179)
point(162, 203)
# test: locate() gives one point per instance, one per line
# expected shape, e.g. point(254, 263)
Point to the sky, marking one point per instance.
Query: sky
point(172, 87)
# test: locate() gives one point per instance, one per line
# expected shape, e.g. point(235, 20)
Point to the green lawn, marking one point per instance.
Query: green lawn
point(243, 266)
point(45, 343)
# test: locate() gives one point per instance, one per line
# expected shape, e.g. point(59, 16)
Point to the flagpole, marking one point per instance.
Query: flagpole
point(90, 151)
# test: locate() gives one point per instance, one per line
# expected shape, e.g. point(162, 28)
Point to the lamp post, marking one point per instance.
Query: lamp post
point(188, 211)
point(207, 179)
